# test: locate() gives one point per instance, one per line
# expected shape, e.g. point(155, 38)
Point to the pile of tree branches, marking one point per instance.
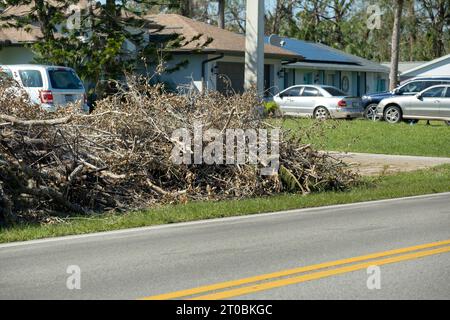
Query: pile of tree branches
point(120, 156)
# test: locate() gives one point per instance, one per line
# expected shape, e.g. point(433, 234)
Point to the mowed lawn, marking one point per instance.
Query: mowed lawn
point(373, 137)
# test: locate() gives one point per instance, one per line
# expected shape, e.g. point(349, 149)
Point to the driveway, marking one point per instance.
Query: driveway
point(369, 164)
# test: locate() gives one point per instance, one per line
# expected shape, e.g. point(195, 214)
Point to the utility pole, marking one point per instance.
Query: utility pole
point(254, 45)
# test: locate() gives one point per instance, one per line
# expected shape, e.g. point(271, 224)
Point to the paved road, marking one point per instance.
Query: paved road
point(152, 261)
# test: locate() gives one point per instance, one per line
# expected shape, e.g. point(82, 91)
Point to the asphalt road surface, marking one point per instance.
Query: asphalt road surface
point(394, 249)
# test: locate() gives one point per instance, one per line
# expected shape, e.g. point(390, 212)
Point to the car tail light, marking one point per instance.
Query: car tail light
point(342, 103)
point(46, 96)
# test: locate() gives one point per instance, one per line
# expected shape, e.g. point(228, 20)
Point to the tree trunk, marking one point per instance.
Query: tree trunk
point(110, 8)
point(395, 48)
point(221, 14)
point(276, 18)
point(413, 30)
point(44, 20)
point(185, 8)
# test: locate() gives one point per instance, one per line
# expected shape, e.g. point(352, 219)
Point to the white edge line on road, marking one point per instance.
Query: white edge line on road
point(215, 220)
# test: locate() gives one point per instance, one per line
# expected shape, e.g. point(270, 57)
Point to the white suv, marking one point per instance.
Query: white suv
point(49, 86)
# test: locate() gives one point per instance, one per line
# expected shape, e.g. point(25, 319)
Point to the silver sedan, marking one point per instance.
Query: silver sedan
point(320, 102)
point(430, 104)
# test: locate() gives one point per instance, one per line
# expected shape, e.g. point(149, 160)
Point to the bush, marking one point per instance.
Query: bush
point(271, 109)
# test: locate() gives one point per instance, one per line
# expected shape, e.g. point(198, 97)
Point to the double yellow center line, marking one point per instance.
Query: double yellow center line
point(231, 289)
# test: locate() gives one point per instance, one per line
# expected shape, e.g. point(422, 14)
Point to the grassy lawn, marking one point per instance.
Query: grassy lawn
point(399, 185)
point(375, 137)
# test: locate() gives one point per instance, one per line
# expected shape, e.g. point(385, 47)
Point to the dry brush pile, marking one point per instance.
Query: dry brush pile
point(119, 157)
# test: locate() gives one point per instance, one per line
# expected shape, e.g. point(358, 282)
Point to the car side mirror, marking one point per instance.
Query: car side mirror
point(281, 96)
point(419, 96)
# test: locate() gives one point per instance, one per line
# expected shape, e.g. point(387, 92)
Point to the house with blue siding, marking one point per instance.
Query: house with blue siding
point(322, 64)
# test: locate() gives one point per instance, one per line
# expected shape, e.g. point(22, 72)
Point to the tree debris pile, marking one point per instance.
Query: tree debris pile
point(120, 156)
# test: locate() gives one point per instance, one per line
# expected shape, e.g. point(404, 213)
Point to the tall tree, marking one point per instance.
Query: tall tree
point(395, 46)
point(311, 24)
point(280, 17)
point(412, 28)
point(339, 10)
point(235, 12)
point(221, 13)
point(185, 8)
point(438, 17)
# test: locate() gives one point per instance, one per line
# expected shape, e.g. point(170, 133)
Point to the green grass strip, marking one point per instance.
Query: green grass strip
point(429, 181)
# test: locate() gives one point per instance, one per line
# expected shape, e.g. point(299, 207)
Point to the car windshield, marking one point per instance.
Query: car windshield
point(64, 79)
point(335, 92)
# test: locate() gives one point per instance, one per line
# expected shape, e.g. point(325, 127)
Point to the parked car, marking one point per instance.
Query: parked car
point(409, 88)
point(320, 102)
point(50, 87)
point(430, 104)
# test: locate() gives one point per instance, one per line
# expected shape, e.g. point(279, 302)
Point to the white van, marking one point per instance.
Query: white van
point(49, 86)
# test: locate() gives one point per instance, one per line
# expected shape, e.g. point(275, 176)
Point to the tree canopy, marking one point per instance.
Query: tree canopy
point(101, 40)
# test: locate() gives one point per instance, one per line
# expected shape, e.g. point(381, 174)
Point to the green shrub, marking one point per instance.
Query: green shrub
point(271, 108)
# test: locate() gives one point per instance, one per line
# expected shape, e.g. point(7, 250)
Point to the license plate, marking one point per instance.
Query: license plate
point(355, 104)
point(70, 98)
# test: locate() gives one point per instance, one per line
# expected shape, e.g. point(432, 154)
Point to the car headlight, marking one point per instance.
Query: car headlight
point(367, 98)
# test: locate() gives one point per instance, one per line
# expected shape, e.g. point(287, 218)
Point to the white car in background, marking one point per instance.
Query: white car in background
point(50, 87)
point(318, 101)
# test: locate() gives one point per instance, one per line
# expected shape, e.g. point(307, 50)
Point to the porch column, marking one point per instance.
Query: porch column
point(254, 45)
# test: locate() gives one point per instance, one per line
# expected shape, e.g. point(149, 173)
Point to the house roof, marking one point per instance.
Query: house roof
point(22, 10)
point(33, 32)
point(17, 36)
point(317, 55)
point(223, 41)
point(405, 66)
point(427, 65)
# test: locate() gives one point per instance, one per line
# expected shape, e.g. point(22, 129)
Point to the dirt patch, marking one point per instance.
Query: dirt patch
point(368, 164)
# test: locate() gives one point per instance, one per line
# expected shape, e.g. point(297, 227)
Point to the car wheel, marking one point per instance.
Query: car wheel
point(371, 112)
point(448, 123)
point(393, 114)
point(321, 113)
